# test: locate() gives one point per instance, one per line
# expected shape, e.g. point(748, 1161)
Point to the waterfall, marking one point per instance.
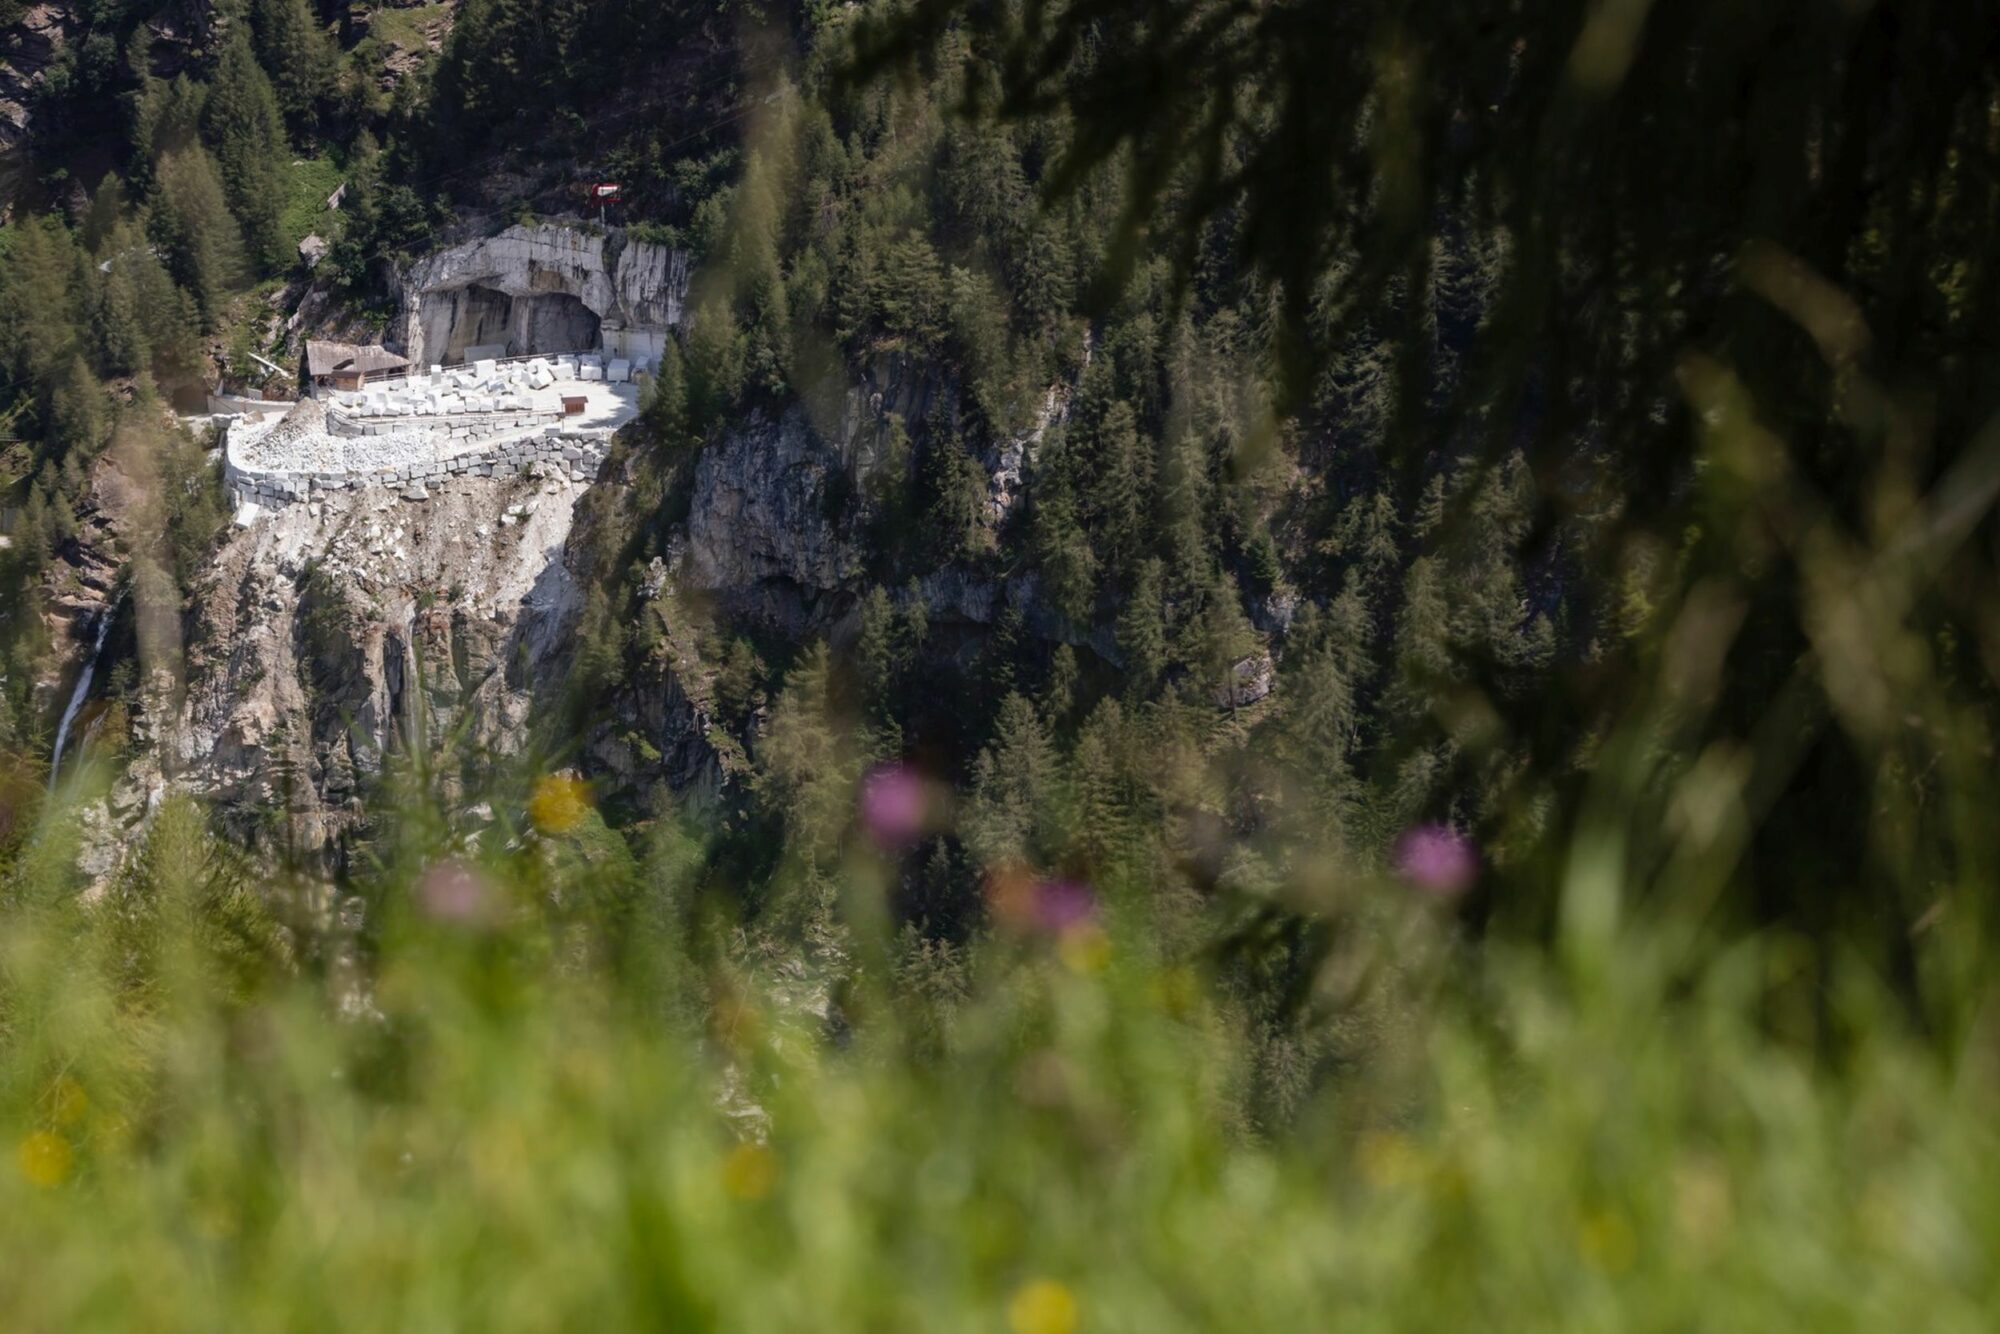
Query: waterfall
point(82, 691)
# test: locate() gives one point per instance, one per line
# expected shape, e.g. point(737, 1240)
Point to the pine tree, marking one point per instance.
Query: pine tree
point(117, 329)
point(875, 651)
point(909, 292)
point(1012, 810)
point(1226, 635)
point(299, 56)
point(806, 770)
point(166, 119)
point(1063, 549)
point(106, 212)
point(241, 124)
point(951, 486)
point(193, 225)
point(170, 324)
point(1316, 729)
point(1142, 635)
point(1059, 691)
point(1105, 817)
point(1423, 652)
point(1122, 486)
point(666, 407)
point(914, 627)
point(35, 530)
point(79, 418)
point(36, 273)
point(715, 365)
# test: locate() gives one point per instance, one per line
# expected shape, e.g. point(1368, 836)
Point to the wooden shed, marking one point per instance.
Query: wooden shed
point(349, 365)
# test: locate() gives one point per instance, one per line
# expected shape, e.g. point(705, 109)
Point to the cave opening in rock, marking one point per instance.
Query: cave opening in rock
point(459, 319)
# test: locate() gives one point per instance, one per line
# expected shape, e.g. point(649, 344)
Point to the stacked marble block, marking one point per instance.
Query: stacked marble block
point(482, 387)
point(594, 369)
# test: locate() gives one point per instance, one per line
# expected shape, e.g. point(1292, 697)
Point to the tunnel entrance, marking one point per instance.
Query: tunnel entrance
point(460, 318)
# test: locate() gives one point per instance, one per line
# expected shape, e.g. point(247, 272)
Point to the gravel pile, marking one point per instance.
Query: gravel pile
point(301, 443)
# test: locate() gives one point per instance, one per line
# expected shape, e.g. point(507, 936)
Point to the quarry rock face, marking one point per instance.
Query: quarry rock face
point(328, 637)
point(543, 288)
point(766, 510)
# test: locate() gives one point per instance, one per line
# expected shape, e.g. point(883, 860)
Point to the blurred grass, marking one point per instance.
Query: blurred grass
point(529, 1096)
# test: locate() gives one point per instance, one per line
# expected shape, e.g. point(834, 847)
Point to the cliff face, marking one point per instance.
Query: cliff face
point(329, 636)
point(27, 49)
point(547, 288)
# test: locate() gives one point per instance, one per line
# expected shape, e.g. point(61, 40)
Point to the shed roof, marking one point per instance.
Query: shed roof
point(324, 358)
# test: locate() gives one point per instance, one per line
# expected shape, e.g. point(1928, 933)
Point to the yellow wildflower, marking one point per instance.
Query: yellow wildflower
point(749, 1172)
point(558, 804)
point(1388, 1159)
point(1084, 948)
point(67, 1101)
point(45, 1159)
point(1606, 1241)
point(1042, 1307)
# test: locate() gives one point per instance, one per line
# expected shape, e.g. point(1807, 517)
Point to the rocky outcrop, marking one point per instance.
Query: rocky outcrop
point(545, 288)
point(333, 634)
point(768, 509)
point(27, 49)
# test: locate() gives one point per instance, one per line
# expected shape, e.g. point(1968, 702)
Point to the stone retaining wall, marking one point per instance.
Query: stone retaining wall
point(575, 454)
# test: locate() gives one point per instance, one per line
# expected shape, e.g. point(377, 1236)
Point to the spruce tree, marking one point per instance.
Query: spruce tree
point(1014, 801)
point(1142, 635)
point(299, 56)
point(806, 770)
point(79, 418)
point(192, 224)
point(875, 651)
point(951, 486)
point(666, 407)
point(715, 356)
point(36, 276)
point(1121, 487)
point(241, 124)
point(117, 329)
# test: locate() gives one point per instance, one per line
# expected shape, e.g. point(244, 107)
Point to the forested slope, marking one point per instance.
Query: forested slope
point(1200, 490)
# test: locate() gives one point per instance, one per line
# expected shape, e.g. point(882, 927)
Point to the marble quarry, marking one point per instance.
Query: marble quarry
point(489, 419)
point(540, 289)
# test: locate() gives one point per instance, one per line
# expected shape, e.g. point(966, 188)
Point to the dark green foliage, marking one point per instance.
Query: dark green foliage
point(951, 488)
point(383, 224)
point(666, 399)
point(242, 127)
point(1013, 812)
point(79, 418)
point(300, 59)
point(715, 355)
point(1142, 635)
point(1061, 544)
point(192, 225)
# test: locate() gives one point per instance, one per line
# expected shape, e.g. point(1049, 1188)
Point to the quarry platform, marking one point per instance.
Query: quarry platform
point(544, 415)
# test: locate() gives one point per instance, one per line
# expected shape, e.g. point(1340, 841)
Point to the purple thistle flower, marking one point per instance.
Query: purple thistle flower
point(894, 806)
point(1061, 905)
point(1437, 859)
point(454, 892)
